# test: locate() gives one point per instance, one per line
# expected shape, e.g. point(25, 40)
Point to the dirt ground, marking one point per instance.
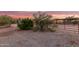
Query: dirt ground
point(10, 37)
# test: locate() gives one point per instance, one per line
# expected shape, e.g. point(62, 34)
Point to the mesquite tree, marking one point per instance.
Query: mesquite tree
point(42, 21)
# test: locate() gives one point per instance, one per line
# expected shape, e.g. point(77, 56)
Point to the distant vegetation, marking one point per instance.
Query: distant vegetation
point(67, 20)
point(40, 22)
point(5, 21)
point(71, 20)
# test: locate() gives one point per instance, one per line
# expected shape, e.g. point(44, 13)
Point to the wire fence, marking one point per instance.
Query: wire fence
point(72, 29)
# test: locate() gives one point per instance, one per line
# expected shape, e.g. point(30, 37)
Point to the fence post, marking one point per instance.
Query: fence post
point(78, 28)
point(64, 24)
point(56, 21)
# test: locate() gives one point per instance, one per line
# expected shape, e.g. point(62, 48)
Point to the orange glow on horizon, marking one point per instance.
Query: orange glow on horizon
point(53, 15)
point(14, 16)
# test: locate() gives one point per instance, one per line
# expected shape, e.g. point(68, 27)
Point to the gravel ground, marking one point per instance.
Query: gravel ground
point(29, 38)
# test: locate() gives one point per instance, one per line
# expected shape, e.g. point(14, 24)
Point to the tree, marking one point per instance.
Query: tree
point(42, 21)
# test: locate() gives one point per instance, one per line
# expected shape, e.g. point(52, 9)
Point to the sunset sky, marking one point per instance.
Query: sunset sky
point(55, 14)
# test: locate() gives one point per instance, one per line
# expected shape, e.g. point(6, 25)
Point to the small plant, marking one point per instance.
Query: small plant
point(25, 24)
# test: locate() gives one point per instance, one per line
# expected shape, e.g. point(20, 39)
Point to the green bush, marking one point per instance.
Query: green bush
point(25, 24)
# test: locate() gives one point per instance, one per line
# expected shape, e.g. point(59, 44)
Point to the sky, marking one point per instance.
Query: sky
point(55, 14)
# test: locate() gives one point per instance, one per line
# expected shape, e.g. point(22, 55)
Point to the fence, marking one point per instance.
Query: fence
point(69, 28)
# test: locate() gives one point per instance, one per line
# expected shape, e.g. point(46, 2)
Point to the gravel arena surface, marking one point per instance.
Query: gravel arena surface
point(10, 37)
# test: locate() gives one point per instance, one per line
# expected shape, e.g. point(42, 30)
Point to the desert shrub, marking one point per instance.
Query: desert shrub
point(75, 22)
point(53, 27)
point(25, 24)
point(13, 21)
point(5, 20)
point(42, 21)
